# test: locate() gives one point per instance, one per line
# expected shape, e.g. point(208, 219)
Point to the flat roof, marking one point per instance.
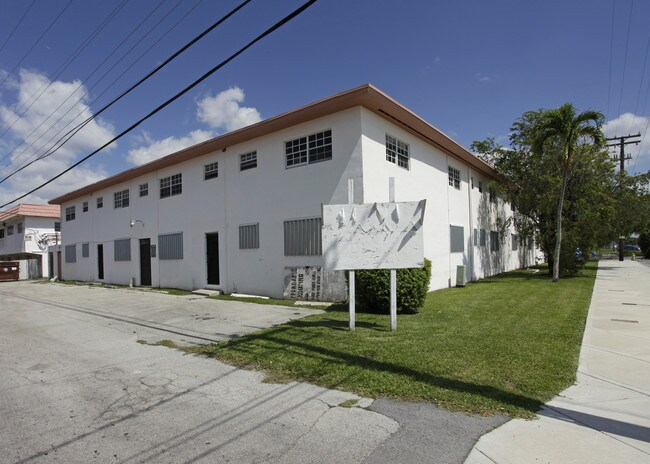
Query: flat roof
point(367, 96)
point(31, 209)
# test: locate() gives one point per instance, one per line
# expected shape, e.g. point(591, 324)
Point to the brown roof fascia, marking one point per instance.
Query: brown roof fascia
point(32, 210)
point(366, 95)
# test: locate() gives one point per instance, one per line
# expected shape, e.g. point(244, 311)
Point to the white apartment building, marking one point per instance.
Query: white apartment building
point(241, 212)
point(26, 231)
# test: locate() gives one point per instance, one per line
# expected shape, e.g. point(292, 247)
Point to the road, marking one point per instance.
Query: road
point(77, 388)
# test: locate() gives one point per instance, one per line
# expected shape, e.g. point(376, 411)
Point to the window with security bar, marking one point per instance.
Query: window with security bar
point(71, 253)
point(249, 236)
point(170, 246)
point(122, 250)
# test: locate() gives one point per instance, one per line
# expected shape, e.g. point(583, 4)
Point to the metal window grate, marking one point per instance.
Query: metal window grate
point(85, 250)
point(457, 239)
point(249, 236)
point(515, 242)
point(483, 238)
point(494, 241)
point(302, 237)
point(210, 171)
point(121, 199)
point(172, 185)
point(122, 250)
point(397, 152)
point(170, 246)
point(248, 161)
point(71, 253)
point(454, 178)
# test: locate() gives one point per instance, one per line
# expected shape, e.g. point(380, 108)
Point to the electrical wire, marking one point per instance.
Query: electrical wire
point(160, 107)
point(20, 21)
point(81, 85)
point(43, 88)
point(36, 42)
point(80, 126)
point(611, 54)
point(627, 43)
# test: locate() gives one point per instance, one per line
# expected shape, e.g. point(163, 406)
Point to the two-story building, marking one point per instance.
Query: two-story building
point(241, 212)
point(26, 231)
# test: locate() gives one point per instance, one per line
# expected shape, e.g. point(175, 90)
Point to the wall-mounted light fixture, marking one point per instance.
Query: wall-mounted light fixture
point(133, 221)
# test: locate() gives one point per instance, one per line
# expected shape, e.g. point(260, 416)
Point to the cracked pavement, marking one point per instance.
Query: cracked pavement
point(77, 388)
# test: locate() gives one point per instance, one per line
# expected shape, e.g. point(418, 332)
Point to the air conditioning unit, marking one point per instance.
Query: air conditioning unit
point(461, 280)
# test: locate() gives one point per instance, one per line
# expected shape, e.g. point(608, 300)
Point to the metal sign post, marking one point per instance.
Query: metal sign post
point(393, 272)
point(351, 300)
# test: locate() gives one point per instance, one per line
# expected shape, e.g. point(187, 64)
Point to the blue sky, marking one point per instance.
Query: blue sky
point(468, 67)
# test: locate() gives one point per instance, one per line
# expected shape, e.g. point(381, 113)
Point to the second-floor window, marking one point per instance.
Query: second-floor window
point(144, 189)
point(84, 206)
point(172, 185)
point(70, 213)
point(100, 202)
point(397, 152)
point(121, 199)
point(248, 161)
point(454, 178)
point(10, 230)
point(19, 228)
point(311, 149)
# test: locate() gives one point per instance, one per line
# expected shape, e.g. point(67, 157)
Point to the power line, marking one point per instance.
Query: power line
point(86, 79)
point(43, 88)
point(37, 41)
point(627, 43)
point(160, 107)
point(80, 126)
point(611, 54)
point(20, 21)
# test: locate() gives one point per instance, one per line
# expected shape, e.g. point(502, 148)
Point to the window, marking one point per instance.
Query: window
point(100, 202)
point(482, 241)
point(249, 236)
point(85, 250)
point(210, 171)
point(480, 187)
point(302, 237)
point(313, 148)
point(144, 189)
point(84, 207)
point(493, 196)
point(397, 152)
point(2, 233)
point(515, 242)
point(71, 253)
point(454, 178)
point(170, 246)
point(19, 228)
point(457, 239)
point(475, 237)
point(172, 185)
point(494, 241)
point(10, 230)
point(57, 226)
point(248, 161)
point(121, 199)
point(70, 213)
point(122, 250)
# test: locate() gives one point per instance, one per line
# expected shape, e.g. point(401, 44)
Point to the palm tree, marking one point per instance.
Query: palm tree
point(563, 130)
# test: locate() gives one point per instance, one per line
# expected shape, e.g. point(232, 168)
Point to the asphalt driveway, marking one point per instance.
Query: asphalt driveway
point(77, 388)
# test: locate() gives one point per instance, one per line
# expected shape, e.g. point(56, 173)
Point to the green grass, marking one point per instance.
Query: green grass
point(503, 345)
point(266, 301)
point(170, 291)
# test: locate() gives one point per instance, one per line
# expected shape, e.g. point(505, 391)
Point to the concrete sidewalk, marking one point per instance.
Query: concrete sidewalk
point(605, 416)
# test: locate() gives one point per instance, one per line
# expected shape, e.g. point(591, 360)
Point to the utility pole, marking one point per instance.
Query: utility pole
point(621, 142)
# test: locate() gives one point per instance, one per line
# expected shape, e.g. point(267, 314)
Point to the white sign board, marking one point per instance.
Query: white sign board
point(373, 235)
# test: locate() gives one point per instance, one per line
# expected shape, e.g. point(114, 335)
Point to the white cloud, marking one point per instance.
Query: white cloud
point(482, 77)
point(223, 111)
point(155, 149)
point(629, 123)
point(18, 97)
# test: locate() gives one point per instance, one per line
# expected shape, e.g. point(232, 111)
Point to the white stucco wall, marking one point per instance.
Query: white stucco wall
point(268, 194)
point(26, 241)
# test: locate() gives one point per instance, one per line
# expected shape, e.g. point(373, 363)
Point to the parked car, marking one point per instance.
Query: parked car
point(631, 248)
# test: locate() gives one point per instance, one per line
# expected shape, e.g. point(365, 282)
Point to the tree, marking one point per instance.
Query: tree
point(562, 133)
point(536, 181)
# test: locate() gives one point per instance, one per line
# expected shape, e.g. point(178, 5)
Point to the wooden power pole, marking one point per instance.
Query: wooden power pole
point(621, 142)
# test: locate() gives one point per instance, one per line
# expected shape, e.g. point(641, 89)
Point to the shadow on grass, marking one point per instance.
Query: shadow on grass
point(335, 357)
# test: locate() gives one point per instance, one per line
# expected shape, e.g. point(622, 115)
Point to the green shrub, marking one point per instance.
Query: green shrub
point(373, 288)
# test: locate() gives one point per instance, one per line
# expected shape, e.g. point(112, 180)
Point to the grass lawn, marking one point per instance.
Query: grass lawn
point(503, 345)
point(267, 301)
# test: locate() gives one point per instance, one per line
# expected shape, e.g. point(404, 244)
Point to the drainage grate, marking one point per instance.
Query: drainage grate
point(625, 320)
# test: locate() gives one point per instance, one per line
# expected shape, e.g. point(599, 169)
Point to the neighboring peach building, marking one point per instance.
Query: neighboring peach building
point(26, 231)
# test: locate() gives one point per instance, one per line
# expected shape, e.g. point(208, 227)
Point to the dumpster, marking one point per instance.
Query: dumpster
point(9, 270)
